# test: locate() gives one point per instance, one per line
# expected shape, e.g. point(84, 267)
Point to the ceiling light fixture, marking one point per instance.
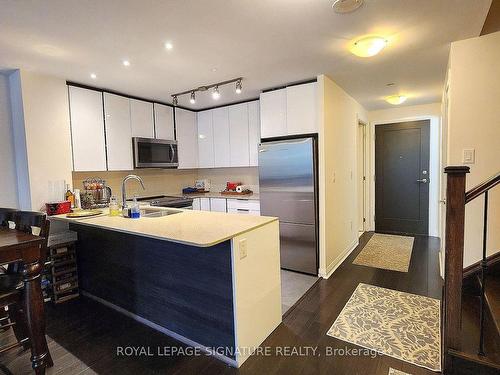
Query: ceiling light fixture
point(213, 86)
point(215, 93)
point(346, 6)
point(368, 46)
point(93, 76)
point(126, 63)
point(396, 99)
point(169, 46)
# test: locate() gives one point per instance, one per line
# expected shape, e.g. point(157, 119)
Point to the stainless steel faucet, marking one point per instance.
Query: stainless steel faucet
point(124, 194)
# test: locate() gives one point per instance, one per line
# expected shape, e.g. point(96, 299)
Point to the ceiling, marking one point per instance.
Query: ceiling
point(268, 42)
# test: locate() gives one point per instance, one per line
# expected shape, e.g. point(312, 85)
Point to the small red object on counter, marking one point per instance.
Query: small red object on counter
point(58, 208)
point(231, 186)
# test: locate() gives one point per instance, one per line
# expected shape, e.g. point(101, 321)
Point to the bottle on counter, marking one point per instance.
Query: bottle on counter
point(114, 208)
point(78, 199)
point(135, 212)
point(70, 196)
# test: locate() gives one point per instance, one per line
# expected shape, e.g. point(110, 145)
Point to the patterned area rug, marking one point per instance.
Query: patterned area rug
point(401, 325)
point(393, 371)
point(387, 251)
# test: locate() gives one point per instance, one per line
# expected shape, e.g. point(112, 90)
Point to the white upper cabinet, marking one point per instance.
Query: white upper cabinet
point(239, 141)
point(141, 118)
point(164, 121)
point(253, 132)
point(273, 113)
point(220, 120)
point(205, 140)
point(187, 138)
point(118, 133)
point(87, 130)
point(301, 109)
point(289, 111)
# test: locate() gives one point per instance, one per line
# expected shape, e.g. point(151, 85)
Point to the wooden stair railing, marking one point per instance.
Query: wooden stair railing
point(456, 199)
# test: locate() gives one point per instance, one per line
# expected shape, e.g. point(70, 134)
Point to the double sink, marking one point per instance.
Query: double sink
point(155, 212)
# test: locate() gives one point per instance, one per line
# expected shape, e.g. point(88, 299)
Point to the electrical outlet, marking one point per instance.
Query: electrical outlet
point(243, 249)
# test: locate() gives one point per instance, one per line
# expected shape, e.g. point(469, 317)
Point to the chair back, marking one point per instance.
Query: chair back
point(6, 215)
point(35, 223)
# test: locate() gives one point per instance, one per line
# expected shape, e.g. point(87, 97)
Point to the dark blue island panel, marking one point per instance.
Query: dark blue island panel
point(185, 289)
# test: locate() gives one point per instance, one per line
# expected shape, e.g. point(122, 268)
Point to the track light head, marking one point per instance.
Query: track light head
point(193, 98)
point(175, 101)
point(215, 93)
point(238, 87)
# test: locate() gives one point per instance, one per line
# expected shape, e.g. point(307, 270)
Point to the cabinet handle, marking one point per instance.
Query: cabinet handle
point(243, 209)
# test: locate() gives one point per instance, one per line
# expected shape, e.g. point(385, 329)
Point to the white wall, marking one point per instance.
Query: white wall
point(339, 117)
point(430, 112)
point(8, 182)
point(40, 112)
point(474, 122)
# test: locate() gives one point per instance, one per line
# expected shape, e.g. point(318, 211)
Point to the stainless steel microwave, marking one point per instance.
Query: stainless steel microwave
point(155, 153)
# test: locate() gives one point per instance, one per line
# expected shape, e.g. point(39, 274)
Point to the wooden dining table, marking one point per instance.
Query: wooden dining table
point(18, 246)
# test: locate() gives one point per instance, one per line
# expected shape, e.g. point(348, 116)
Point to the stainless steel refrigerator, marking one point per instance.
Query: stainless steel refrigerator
point(288, 190)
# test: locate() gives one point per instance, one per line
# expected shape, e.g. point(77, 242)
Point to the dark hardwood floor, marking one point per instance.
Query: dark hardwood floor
point(84, 335)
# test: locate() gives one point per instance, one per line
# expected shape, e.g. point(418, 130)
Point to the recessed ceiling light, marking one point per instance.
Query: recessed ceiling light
point(169, 45)
point(390, 84)
point(214, 70)
point(396, 99)
point(126, 63)
point(215, 93)
point(368, 46)
point(346, 6)
point(93, 75)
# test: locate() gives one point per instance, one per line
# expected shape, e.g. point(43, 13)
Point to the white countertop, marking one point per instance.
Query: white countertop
point(254, 196)
point(196, 228)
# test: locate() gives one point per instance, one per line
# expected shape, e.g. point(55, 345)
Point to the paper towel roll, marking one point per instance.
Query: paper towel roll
point(241, 188)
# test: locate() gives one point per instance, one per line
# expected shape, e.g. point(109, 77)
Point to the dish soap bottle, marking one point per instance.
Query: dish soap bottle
point(114, 209)
point(135, 212)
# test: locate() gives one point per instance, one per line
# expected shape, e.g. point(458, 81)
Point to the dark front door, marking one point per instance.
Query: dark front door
point(402, 177)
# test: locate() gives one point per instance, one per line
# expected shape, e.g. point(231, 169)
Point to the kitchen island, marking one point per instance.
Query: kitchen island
point(208, 279)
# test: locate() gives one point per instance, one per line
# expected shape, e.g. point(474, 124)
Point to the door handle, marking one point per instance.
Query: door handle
point(423, 180)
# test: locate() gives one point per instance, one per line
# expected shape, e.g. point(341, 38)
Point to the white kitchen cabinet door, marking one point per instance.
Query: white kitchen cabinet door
point(238, 130)
point(87, 130)
point(205, 204)
point(205, 140)
point(187, 138)
point(220, 118)
point(196, 204)
point(118, 133)
point(301, 109)
point(141, 118)
point(273, 113)
point(253, 133)
point(218, 204)
point(164, 121)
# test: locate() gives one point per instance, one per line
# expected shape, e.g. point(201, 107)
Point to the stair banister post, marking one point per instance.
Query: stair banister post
point(454, 255)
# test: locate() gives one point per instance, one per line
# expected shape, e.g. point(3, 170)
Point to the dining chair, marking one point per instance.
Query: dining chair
point(12, 285)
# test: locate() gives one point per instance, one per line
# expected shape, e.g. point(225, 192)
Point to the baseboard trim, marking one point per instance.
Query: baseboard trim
point(176, 336)
point(332, 267)
point(476, 267)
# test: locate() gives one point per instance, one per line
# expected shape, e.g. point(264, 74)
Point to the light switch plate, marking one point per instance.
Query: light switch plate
point(469, 156)
point(243, 249)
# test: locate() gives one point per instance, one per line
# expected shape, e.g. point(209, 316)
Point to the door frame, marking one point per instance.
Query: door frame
point(366, 164)
point(435, 165)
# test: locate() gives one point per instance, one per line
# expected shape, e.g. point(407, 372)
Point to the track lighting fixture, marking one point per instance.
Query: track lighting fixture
point(213, 86)
point(215, 93)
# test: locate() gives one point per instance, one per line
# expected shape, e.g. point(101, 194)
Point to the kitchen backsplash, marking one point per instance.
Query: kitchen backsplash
point(171, 181)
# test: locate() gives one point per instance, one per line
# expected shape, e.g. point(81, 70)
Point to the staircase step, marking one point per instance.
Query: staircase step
point(492, 297)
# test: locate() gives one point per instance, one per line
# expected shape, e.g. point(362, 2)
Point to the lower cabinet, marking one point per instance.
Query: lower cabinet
point(237, 206)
